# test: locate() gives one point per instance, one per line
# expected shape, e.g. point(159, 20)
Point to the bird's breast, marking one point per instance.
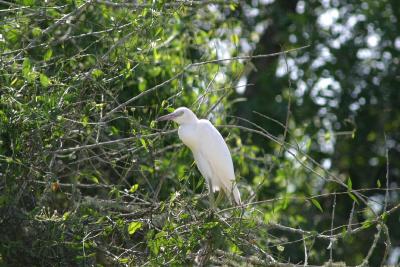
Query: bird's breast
point(188, 135)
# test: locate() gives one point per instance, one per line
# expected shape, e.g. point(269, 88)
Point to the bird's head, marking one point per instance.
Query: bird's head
point(181, 115)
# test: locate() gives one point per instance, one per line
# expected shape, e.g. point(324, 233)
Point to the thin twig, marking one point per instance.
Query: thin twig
point(332, 242)
point(248, 57)
point(122, 140)
point(387, 176)
point(388, 243)
point(351, 217)
point(305, 252)
point(372, 248)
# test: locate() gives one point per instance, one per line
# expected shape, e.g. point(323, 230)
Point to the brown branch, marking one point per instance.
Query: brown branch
point(141, 95)
point(122, 140)
point(173, 4)
point(323, 236)
point(372, 248)
point(388, 243)
point(77, 185)
point(248, 57)
point(251, 260)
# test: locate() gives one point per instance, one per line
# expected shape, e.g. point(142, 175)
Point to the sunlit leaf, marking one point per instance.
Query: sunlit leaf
point(44, 80)
point(36, 31)
point(316, 204)
point(94, 179)
point(134, 226)
point(353, 197)
point(144, 143)
point(97, 73)
point(349, 184)
point(47, 56)
point(280, 248)
point(134, 188)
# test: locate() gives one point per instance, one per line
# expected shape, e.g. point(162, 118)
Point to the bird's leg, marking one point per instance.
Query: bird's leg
point(219, 197)
point(211, 194)
point(212, 201)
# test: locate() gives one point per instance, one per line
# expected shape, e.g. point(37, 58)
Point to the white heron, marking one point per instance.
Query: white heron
point(210, 152)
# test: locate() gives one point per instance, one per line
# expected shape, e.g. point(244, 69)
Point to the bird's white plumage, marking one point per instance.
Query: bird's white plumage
point(209, 149)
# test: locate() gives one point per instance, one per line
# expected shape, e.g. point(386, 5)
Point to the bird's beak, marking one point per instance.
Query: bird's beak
point(168, 117)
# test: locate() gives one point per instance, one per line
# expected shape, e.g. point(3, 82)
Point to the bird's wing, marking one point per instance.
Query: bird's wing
point(205, 169)
point(215, 153)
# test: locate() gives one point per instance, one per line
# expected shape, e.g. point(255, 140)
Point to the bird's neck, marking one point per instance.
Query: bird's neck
point(192, 121)
point(187, 132)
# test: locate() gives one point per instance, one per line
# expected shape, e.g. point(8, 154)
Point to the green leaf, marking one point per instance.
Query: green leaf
point(378, 183)
point(366, 224)
point(280, 248)
point(85, 121)
point(114, 130)
point(353, 197)
point(134, 226)
point(44, 80)
point(349, 184)
point(316, 204)
point(235, 39)
point(28, 2)
point(47, 56)
point(164, 104)
point(155, 71)
point(327, 136)
point(96, 73)
point(344, 232)
point(349, 188)
point(27, 71)
point(384, 216)
point(285, 202)
point(94, 179)
point(36, 32)
point(26, 67)
point(184, 216)
point(173, 197)
point(134, 188)
point(142, 84)
point(123, 260)
point(66, 215)
point(210, 225)
point(235, 249)
point(144, 144)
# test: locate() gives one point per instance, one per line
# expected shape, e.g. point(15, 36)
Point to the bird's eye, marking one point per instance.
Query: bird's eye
point(179, 113)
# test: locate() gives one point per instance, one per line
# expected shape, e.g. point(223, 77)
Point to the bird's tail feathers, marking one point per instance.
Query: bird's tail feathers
point(230, 190)
point(236, 195)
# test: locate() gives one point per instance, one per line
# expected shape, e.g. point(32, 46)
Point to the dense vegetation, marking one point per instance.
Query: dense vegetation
point(306, 94)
